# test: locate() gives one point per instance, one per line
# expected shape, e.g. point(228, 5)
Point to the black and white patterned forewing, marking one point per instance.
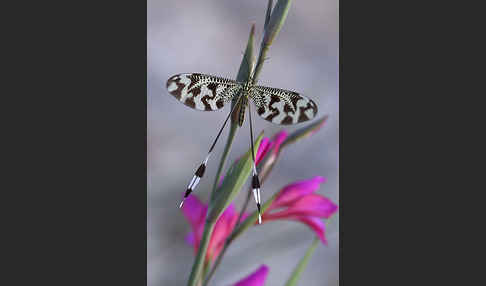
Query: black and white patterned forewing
point(202, 92)
point(281, 106)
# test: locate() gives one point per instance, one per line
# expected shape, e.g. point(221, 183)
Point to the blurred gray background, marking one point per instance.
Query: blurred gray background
point(210, 37)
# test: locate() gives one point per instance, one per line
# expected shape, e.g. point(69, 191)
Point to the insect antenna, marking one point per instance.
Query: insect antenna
point(202, 168)
point(255, 182)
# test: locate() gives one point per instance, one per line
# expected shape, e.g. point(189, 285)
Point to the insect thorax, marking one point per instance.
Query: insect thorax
point(244, 102)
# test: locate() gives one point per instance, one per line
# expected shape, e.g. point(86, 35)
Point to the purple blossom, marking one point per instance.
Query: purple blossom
point(298, 202)
point(272, 146)
point(257, 278)
point(195, 212)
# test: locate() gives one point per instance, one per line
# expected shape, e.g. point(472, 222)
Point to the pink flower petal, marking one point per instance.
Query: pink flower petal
point(257, 278)
point(244, 216)
point(309, 205)
point(190, 239)
point(316, 224)
point(194, 211)
point(265, 146)
point(294, 191)
point(224, 226)
point(278, 139)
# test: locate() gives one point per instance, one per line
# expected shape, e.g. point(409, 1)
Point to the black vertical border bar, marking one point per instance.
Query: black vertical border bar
point(365, 59)
point(76, 200)
point(395, 77)
point(115, 121)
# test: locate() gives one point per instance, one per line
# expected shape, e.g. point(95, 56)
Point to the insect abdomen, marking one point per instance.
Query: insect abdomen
point(241, 116)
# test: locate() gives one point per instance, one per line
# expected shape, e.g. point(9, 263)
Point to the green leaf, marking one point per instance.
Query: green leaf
point(244, 71)
point(232, 183)
point(248, 60)
point(294, 277)
point(268, 14)
point(277, 19)
point(246, 68)
point(305, 132)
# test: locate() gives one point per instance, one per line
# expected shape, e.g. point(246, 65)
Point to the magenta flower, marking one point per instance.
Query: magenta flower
point(195, 212)
point(266, 145)
point(256, 278)
point(298, 202)
point(273, 146)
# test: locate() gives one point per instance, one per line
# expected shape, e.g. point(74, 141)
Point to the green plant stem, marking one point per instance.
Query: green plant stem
point(268, 13)
point(231, 237)
point(216, 264)
point(294, 277)
point(209, 226)
point(227, 242)
point(261, 59)
point(201, 254)
point(263, 46)
point(223, 251)
point(243, 74)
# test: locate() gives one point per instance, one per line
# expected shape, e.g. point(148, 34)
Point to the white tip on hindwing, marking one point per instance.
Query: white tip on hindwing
point(192, 182)
point(207, 158)
point(255, 195)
